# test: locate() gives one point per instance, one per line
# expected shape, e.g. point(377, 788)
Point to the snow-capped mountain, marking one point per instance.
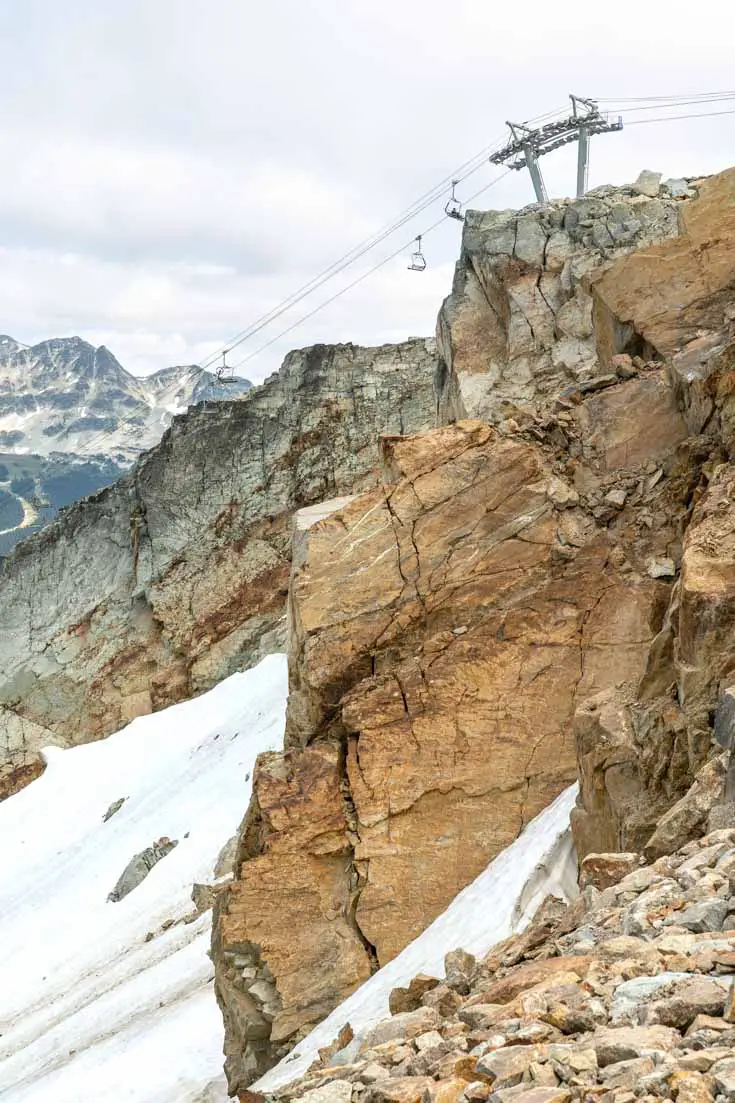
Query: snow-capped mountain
point(72, 419)
point(65, 395)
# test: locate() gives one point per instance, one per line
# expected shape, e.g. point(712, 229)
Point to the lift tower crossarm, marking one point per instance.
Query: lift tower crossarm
point(527, 145)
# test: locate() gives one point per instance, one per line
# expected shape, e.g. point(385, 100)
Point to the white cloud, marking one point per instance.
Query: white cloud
point(173, 170)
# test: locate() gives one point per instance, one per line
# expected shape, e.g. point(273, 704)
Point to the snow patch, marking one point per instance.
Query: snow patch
point(90, 1009)
point(499, 902)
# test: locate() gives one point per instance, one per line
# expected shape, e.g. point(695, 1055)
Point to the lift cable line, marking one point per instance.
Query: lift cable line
point(548, 119)
point(363, 276)
point(463, 172)
point(676, 118)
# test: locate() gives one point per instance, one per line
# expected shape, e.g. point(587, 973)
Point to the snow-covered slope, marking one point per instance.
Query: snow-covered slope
point(499, 902)
point(90, 1007)
point(65, 395)
point(108, 1000)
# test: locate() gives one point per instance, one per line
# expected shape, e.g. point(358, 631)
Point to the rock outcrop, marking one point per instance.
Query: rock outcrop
point(444, 628)
point(511, 606)
point(518, 327)
point(159, 586)
point(627, 994)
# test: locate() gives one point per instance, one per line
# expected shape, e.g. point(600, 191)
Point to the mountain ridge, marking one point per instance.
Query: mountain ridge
point(73, 419)
point(65, 395)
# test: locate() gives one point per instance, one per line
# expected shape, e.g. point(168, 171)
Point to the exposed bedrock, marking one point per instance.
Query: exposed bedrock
point(518, 327)
point(510, 607)
point(444, 627)
point(161, 585)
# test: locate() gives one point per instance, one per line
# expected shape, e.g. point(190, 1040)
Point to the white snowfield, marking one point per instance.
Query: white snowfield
point(88, 1009)
point(499, 902)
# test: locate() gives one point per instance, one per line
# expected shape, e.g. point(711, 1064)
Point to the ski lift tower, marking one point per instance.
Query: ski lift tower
point(527, 145)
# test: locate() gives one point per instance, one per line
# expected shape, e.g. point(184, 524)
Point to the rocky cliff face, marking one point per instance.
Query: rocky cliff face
point(159, 586)
point(507, 608)
point(518, 327)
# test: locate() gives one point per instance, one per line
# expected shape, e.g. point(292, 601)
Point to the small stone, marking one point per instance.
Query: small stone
point(114, 807)
point(706, 1022)
point(616, 497)
point(337, 1091)
point(410, 998)
point(443, 999)
point(506, 1067)
point(648, 183)
point(724, 1077)
point(398, 1089)
point(622, 365)
point(429, 1040)
point(448, 1091)
point(561, 494)
point(542, 1095)
point(140, 866)
point(405, 1025)
point(603, 870)
point(707, 915)
point(626, 1042)
point(728, 1013)
point(695, 995)
point(626, 1074)
point(679, 189)
point(373, 1072)
point(459, 969)
point(661, 568)
point(691, 1087)
point(477, 1091)
point(483, 1016)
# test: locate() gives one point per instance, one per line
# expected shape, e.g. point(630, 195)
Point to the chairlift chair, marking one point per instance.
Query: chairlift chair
point(225, 372)
point(453, 208)
point(418, 260)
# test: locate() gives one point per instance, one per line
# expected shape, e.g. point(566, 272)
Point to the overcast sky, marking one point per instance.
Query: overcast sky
point(172, 169)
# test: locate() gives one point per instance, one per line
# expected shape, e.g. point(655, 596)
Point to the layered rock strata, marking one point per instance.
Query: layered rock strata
point(158, 587)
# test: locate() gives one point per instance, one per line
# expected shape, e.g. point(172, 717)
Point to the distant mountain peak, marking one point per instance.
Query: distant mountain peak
point(65, 395)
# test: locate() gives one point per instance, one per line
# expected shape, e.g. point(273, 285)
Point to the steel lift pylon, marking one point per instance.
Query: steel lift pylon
point(527, 144)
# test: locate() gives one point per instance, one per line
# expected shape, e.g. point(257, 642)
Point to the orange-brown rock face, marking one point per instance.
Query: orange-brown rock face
point(444, 627)
point(676, 293)
point(640, 751)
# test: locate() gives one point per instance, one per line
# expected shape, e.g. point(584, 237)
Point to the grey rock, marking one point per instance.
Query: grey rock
point(406, 1024)
point(661, 568)
point(724, 1074)
point(679, 189)
point(114, 807)
point(336, 1091)
point(518, 323)
point(140, 866)
point(707, 915)
point(725, 720)
point(648, 183)
point(631, 995)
